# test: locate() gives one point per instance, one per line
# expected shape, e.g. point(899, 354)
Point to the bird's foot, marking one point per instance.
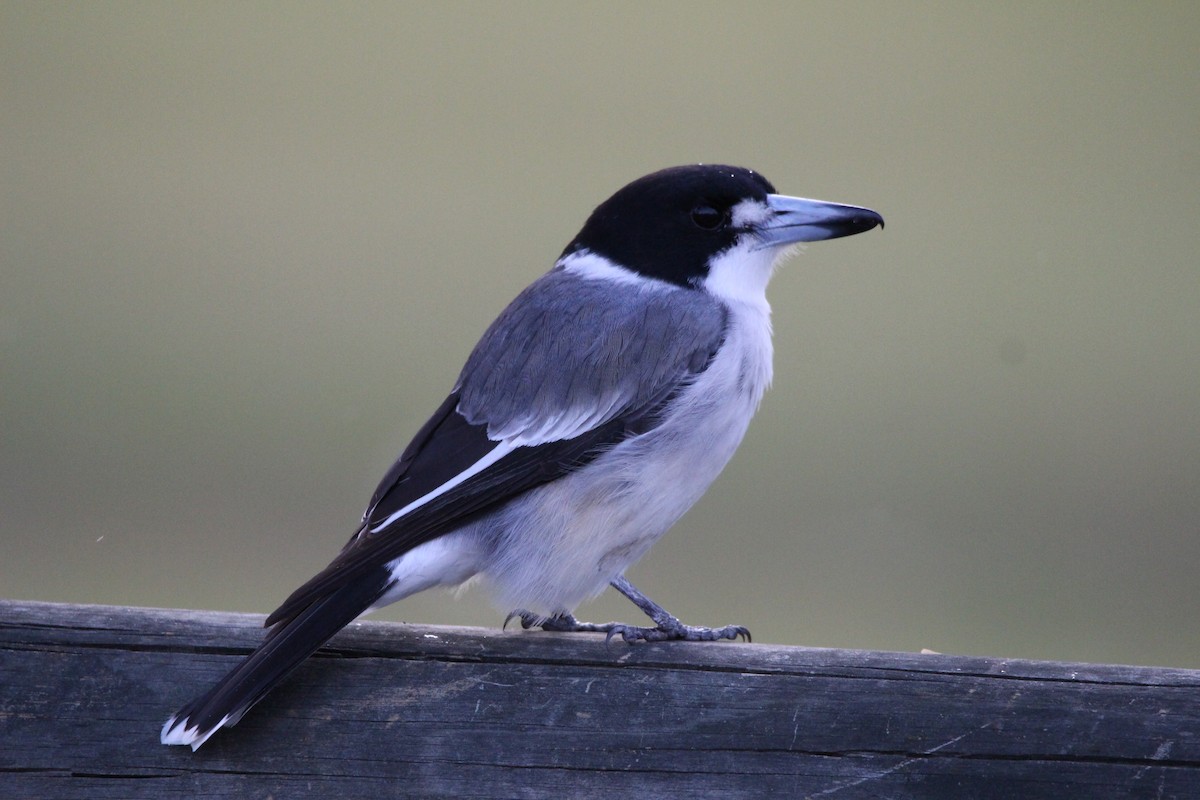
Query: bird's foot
point(669, 628)
point(559, 623)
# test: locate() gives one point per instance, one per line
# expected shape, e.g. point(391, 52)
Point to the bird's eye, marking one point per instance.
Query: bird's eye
point(709, 218)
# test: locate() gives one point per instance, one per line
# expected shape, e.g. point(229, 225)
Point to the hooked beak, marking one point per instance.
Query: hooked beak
point(797, 219)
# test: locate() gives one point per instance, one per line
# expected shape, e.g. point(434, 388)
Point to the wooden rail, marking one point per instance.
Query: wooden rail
point(392, 710)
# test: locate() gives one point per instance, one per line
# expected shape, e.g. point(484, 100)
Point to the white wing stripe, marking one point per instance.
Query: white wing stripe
point(495, 454)
point(568, 424)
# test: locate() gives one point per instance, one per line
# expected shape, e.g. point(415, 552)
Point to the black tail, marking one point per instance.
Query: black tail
point(287, 644)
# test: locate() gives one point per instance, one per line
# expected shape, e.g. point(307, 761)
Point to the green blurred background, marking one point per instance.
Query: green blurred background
point(246, 248)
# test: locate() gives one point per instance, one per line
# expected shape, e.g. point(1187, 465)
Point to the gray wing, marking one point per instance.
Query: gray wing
point(572, 353)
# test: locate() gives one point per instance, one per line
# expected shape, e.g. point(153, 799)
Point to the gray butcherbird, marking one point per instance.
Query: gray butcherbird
point(592, 414)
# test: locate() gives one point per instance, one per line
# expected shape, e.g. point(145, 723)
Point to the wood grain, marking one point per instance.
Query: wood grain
point(390, 710)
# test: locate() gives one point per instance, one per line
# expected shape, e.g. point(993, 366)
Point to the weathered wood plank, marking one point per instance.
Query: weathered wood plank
point(399, 710)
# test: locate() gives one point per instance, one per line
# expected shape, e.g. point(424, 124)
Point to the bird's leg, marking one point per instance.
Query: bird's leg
point(667, 627)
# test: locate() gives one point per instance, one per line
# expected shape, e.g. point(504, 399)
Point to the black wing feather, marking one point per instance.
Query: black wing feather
point(448, 454)
point(389, 488)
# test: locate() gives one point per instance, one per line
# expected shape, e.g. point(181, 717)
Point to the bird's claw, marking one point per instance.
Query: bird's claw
point(676, 632)
point(670, 629)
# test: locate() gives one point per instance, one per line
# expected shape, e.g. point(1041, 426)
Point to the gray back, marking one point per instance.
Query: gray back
point(572, 352)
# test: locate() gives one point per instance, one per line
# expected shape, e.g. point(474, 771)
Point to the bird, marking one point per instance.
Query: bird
point(593, 412)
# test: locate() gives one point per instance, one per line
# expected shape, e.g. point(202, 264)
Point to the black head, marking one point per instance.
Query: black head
point(669, 224)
